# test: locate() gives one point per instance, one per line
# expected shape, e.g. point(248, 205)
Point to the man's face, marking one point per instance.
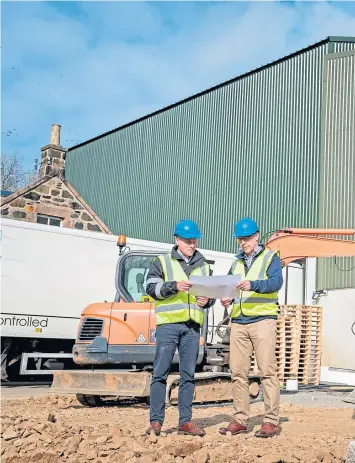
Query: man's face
point(249, 243)
point(186, 246)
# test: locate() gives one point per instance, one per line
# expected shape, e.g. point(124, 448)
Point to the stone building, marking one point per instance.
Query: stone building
point(51, 200)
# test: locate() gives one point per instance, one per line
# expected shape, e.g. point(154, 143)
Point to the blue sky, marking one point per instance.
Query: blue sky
point(93, 66)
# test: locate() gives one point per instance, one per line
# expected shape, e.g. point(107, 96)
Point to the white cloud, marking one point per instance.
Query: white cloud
point(102, 65)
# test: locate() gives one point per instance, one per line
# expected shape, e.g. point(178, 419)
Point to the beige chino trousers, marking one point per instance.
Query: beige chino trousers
point(260, 337)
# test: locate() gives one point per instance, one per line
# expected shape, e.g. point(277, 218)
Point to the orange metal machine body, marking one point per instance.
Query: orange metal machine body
point(118, 336)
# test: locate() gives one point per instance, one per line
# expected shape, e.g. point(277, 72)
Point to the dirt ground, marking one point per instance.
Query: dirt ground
point(53, 429)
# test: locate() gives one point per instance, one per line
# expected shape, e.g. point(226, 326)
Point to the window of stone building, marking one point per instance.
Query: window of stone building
point(49, 220)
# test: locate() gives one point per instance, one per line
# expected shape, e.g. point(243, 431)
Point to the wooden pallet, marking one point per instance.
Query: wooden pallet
point(298, 344)
point(310, 342)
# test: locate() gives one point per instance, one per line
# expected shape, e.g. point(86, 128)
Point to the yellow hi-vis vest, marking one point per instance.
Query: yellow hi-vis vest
point(253, 304)
point(181, 307)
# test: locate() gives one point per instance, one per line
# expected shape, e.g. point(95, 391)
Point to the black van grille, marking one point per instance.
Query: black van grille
point(90, 328)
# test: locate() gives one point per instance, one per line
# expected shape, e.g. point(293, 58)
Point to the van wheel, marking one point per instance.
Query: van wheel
point(89, 400)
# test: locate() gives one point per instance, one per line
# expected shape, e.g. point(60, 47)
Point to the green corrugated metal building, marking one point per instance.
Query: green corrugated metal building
point(277, 144)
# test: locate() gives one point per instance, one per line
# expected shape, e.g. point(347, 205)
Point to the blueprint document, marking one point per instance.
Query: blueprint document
point(215, 287)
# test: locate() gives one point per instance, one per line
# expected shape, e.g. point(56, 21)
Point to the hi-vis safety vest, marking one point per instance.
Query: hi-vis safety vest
point(181, 307)
point(253, 304)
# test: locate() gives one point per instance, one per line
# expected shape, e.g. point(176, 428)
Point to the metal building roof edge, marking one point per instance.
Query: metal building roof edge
point(215, 87)
point(341, 39)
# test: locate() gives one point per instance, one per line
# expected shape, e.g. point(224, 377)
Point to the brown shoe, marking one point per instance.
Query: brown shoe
point(234, 428)
point(267, 430)
point(154, 428)
point(191, 429)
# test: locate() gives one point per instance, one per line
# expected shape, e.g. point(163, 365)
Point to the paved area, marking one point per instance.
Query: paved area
point(18, 392)
point(317, 399)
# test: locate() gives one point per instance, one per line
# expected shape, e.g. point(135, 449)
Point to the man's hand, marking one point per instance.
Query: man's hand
point(201, 301)
point(183, 286)
point(226, 302)
point(244, 285)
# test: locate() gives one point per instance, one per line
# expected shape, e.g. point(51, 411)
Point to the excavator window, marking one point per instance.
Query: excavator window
point(131, 276)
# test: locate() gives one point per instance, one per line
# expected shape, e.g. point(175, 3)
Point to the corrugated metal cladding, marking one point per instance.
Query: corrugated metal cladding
point(248, 147)
point(337, 184)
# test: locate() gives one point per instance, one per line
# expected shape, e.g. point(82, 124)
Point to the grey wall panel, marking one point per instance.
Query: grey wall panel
point(337, 185)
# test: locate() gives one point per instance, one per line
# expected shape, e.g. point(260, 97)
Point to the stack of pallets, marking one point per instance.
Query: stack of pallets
point(298, 344)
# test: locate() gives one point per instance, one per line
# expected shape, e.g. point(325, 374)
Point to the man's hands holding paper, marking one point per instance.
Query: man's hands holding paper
point(242, 285)
point(226, 302)
point(225, 288)
point(185, 286)
point(201, 301)
point(215, 287)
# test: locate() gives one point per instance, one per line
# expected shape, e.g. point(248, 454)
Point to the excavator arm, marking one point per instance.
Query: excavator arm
point(299, 243)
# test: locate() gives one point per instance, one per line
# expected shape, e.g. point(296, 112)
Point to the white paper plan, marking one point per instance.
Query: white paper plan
point(215, 287)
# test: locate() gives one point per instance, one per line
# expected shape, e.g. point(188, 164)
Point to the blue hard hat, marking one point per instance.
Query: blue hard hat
point(187, 229)
point(245, 227)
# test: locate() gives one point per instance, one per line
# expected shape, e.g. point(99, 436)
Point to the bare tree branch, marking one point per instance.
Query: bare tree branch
point(13, 175)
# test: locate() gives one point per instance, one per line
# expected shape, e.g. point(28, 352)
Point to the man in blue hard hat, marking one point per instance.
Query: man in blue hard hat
point(179, 317)
point(254, 319)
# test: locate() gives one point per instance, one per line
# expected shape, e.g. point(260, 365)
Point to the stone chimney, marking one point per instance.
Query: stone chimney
point(53, 155)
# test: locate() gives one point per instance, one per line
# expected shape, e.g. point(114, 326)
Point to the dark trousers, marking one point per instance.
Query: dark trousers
point(185, 337)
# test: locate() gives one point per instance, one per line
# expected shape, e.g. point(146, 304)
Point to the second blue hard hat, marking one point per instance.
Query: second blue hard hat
point(245, 227)
point(187, 229)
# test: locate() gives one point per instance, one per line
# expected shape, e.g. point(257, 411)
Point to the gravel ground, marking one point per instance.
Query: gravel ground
point(316, 427)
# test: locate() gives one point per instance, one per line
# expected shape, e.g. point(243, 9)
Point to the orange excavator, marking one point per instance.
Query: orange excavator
point(115, 344)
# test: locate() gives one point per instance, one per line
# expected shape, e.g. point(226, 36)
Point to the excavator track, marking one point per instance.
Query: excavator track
point(100, 387)
point(89, 400)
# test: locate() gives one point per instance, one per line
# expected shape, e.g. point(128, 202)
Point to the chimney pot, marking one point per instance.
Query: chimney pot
point(55, 135)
